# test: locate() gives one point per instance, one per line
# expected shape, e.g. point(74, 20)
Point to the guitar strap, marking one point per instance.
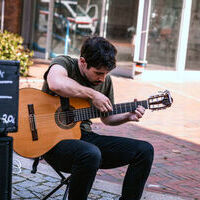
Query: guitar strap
point(64, 103)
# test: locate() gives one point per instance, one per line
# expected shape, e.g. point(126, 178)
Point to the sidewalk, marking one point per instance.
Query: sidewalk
point(36, 186)
point(174, 133)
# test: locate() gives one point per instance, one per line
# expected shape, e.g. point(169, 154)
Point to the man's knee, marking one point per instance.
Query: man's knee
point(91, 157)
point(148, 151)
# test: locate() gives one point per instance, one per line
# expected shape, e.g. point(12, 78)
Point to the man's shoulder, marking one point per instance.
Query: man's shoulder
point(67, 62)
point(64, 58)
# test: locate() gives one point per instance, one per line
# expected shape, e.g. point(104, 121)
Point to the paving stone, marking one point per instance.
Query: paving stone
point(108, 195)
point(40, 188)
point(97, 192)
point(26, 184)
point(94, 196)
point(106, 198)
point(37, 179)
point(24, 194)
point(38, 195)
point(16, 179)
point(14, 196)
point(50, 179)
point(50, 184)
point(32, 199)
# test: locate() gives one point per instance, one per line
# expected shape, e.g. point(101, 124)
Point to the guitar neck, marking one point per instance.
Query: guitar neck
point(92, 112)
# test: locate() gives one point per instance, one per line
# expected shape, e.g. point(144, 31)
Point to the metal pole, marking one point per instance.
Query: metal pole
point(183, 37)
point(67, 39)
point(145, 30)
point(49, 29)
point(141, 39)
point(102, 18)
point(2, 14)
point(139, 30)
point(106, 19)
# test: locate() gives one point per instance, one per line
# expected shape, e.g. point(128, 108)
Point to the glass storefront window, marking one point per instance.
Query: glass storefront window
point(121, 29)
point(75, 20)
point(72, 21)
point(40, 32)
point(64, 27)
point(163, 34)
point(193, 50)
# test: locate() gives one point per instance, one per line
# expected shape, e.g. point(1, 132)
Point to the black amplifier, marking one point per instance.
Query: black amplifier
point(9, 97)
point(9, 93)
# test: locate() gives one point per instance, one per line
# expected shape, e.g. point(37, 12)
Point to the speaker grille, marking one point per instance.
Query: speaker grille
point(6, 154)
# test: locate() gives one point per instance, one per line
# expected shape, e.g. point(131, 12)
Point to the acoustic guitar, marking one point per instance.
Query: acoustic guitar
point(42, 123)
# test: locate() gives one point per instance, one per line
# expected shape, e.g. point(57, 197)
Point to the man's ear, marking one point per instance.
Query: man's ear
point(83, 63)
point(82, 60)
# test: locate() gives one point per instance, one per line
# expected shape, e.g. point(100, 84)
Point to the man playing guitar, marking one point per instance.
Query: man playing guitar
point(87, 78)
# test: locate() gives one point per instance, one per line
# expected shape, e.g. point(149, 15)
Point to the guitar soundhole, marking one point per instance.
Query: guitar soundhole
point(65, 120)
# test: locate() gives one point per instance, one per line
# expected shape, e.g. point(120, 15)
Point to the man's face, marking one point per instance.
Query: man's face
point(95, 76)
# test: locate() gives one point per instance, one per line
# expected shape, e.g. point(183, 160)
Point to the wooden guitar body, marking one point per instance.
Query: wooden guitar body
point(48, 124)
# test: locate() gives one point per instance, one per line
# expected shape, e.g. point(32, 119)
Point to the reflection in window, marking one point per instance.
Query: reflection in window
point(163, 33)
point(41, 20)
point(121, 28)
point(74, 20)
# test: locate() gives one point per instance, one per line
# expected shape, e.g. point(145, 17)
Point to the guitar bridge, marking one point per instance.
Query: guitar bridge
point(32, 122)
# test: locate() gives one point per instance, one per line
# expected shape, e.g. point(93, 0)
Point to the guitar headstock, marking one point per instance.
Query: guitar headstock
point(160, 101)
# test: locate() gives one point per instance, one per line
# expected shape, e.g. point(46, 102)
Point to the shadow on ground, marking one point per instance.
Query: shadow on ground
point(176, 163)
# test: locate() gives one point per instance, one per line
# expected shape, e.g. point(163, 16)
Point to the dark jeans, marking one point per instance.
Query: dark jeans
point(82, 158)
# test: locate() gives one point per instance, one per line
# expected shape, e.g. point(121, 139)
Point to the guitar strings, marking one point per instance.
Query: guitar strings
point(87, 112)
point(66, 120)
point(83, 111)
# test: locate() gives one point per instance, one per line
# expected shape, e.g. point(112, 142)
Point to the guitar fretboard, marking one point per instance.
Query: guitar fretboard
point(92, 112)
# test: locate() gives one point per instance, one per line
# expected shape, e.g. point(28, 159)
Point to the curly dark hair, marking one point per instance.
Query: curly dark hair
point(99, 52)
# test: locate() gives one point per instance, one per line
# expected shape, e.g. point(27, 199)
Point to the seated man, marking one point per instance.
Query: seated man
point(87, 77)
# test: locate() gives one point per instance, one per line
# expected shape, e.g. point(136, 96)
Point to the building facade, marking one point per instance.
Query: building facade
point(163, 35)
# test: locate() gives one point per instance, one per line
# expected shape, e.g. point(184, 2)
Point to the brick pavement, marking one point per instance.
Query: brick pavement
point(176, 164)
point(173, 132)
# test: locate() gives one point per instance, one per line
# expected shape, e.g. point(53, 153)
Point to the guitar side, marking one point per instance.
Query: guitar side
point(46, 126)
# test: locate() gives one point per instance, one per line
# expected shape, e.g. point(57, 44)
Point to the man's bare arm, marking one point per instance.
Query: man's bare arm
point(61, 84)
point(115, 120)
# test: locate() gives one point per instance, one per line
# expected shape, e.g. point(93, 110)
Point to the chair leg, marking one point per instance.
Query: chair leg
point(53, 191)
point(64, 181)
point(66, 192)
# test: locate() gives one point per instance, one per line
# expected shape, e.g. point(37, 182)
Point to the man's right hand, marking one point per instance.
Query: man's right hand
point(61, 84)
point(101, 102)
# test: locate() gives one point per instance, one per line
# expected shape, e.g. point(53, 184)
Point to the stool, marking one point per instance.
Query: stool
point(63, 181)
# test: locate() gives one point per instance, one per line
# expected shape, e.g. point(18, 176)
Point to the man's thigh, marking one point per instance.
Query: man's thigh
point(67, 152)
point(116, 151)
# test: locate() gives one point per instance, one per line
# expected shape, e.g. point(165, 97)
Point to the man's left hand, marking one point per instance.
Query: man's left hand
point(137, 114)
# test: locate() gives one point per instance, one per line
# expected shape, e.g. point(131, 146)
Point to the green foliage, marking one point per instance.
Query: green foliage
point(11, 48)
